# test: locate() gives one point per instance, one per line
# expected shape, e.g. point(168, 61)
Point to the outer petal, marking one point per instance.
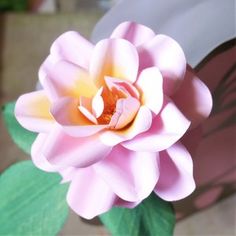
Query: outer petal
point(115, 58)
point(71, 46)
point(150, 84)
point(66, 113)
point(89, 195)
point(193, 98)
point(135, 33)
point(176, 174)
point(166, 54)
point(38, 158)
point(66, 151)
point(131, 175)
point(49, 62)
point(141, 123)
point(66, 79)
point(167, 128)
point(32, 111)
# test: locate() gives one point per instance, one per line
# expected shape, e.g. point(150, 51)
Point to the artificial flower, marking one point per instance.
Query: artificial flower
point(110, 118)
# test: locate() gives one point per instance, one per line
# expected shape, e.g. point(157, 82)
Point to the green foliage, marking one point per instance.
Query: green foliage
point(13, 5)
point(32, 202)
point(153, 217)
point(22, 137)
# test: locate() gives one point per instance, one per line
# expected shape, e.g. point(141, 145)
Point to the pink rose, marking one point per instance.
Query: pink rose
point(110, 117)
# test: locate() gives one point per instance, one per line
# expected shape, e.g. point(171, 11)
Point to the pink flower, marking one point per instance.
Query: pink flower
point(110, 117)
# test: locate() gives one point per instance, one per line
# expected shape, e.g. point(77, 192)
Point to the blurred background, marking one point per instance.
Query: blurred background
point(27, 29)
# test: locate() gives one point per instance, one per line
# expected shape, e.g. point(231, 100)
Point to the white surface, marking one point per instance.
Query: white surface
point(198, 26)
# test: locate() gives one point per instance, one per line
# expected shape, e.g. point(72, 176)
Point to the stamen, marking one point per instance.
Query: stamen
point(118, 96)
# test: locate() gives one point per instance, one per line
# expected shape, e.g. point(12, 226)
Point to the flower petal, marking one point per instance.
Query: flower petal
point(167, 128)
point(135, 33)
point(65, 151)
point(42, 163)
point(89, 195)
point(131, 175)
point(67, 79)
point(193, 98)
point(67, 114)
point(98, 103)
point(87, 114)
point(150, 84)
point(141, 123)
point(121, 87)
point(115, 58)
point(85, 108)
point(72, 47)
point(49, 62)
point(126, 109)
point(38, 158)
point(32, 111)
point(166, 54)
point(176, 174)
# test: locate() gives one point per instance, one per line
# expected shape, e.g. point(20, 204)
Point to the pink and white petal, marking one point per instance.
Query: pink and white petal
point(98, 103)
point(72, 47)
point(167, 128)
point(42, 163)
point(115, 58)
point(126, 109)
point(82, 130)
point(131, 175)
point(49, 62)
point(65, 151)
point(176, 174)
point(38, 158)
point(193, 98)
point(150, 85)
point(89, 195)
point(67, 79)
point(142, 122)
point(43, 72)
point(119, 85)
point(164, 53)
point(137, 34)
point(32, 111)
point(74, 123)
point(87, 114)
point(85, 108)
point(86, 103)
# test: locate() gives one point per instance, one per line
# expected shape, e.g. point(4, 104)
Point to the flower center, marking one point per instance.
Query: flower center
point(115, 105)
point(110, 98)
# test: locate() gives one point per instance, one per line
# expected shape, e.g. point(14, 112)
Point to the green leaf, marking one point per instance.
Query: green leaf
point(22, 137)
point(32, 202)
point(153, 217)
